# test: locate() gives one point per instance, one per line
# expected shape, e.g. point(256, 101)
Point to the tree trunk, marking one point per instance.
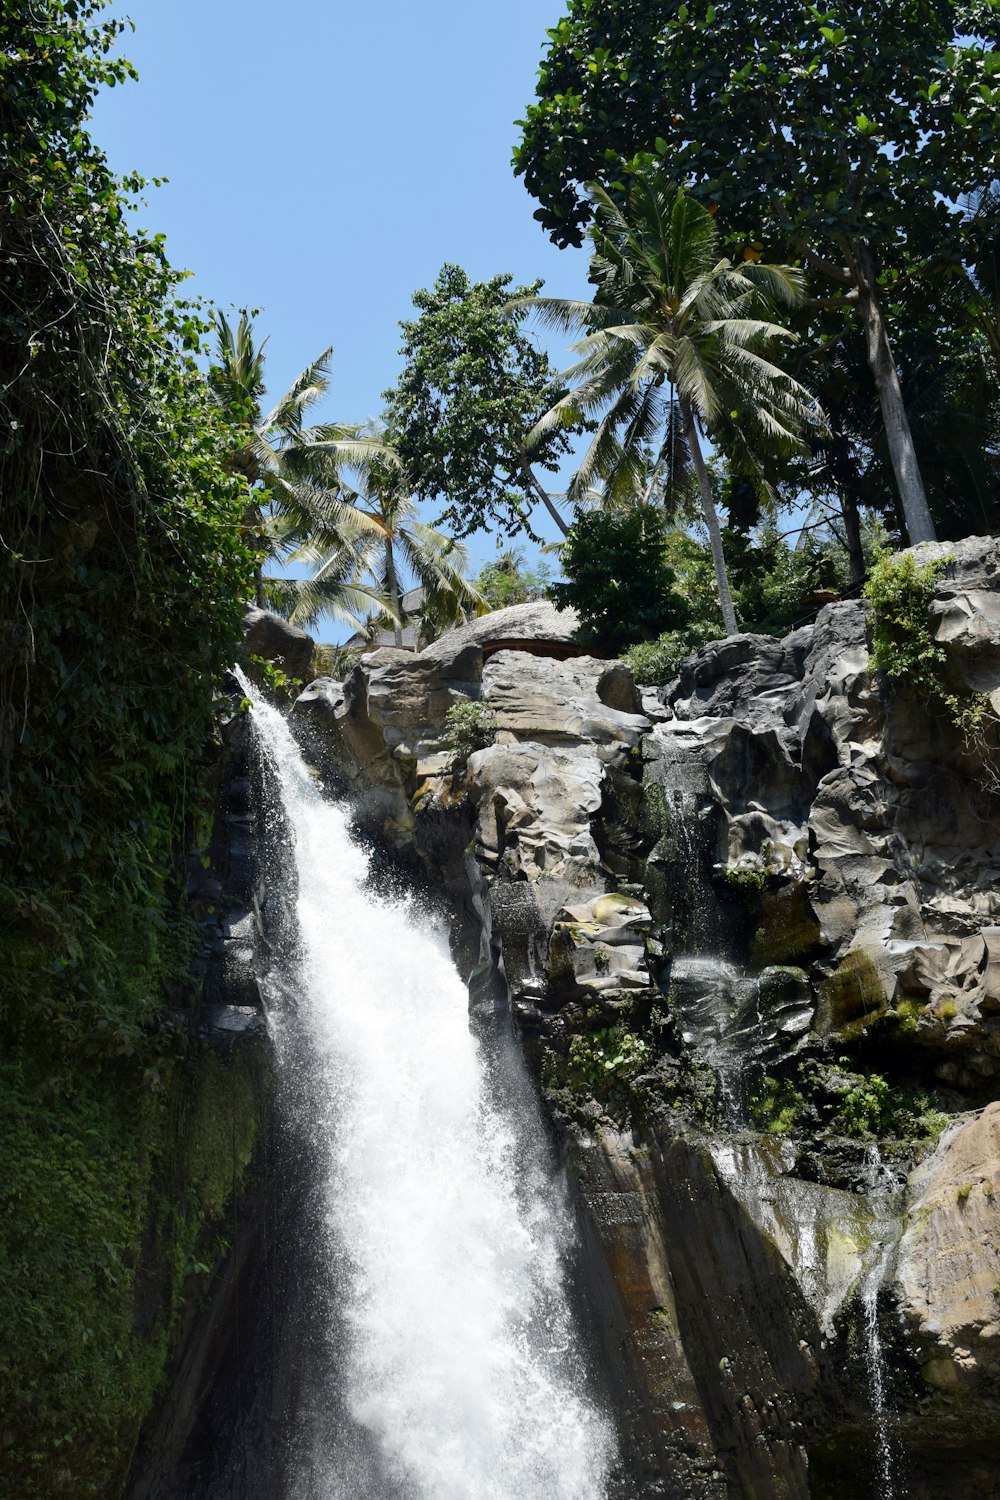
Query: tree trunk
point(916, 512)
point(390, 573)
point(711, 521)
point(852, 530)
point(844, 474)
point(253, 521)
point(542, 493)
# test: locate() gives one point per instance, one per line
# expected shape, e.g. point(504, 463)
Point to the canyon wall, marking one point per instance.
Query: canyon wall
point(747, 930)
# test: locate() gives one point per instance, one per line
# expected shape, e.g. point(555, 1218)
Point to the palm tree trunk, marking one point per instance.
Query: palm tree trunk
point(899, 437)
point(390, 573)
point(711, 521)
point(541, 492)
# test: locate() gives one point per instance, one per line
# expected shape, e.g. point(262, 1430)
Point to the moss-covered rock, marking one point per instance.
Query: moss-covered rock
point(112, 1214)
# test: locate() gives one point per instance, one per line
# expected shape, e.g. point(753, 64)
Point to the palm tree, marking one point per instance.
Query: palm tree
point(294, 488)
point(392, 537)
point(676, 343)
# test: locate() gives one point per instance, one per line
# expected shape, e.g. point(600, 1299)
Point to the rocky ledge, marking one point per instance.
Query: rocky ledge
point(748, 930)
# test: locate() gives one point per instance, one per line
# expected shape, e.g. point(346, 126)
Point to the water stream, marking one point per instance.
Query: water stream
point(884, 1193)
point(455, 1370)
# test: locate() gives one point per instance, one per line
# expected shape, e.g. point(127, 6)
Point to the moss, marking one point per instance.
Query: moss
point(907, 1012)
point(114, 1192)
point(596, 1061)
point(837, 1098)
point(788, 931)
point(854, 993)
point(656, 815)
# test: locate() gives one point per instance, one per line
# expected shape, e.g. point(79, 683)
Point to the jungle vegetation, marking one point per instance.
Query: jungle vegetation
point(789, 360)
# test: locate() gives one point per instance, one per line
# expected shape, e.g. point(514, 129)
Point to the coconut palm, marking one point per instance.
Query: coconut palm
point(393, 538)
point(292, 478)
point(676, 340)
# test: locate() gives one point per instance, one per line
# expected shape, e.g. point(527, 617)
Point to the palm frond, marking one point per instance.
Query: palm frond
point(308, 388)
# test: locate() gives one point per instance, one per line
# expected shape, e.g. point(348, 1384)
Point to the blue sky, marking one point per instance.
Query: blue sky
point(324, 160)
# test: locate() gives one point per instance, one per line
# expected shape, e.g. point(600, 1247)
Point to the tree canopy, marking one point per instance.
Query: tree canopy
point(841, 137)
point(674, 329)
point(803, 124)
point(473, 386)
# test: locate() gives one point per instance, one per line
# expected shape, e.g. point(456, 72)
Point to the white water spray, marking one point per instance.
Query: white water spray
point(458, 1368)
point(883, 1187)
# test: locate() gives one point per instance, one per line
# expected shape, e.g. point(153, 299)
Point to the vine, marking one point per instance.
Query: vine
point(900, 591)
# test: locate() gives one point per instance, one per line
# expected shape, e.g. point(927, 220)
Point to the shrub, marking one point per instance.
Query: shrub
point(900, 592)
point(468, 727)
point(655, 663)
point(618, 578)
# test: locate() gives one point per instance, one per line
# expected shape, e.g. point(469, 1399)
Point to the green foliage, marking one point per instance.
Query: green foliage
point(598, 1060)
point(468, 727)
point(122, 567)
point(655, 663)
point(618, 578)
point(845, 140)
point(748, 880)
point(773, 582)
point(678, 343)
point(333, 661)
point(678, 340)
point(472, 387)
point(298, 506)
point(773, 590)
point(509, 580)
point(798, 125)
point(836, 1098)
point(900, 592)
point(112, 1194)
point(124, 564)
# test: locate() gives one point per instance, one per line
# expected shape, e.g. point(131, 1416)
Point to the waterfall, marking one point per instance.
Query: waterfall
point(456, 1371)
point(882, 1186)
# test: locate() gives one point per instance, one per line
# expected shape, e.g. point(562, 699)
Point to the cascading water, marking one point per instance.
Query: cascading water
point(458, 1374)
point(884, 1194)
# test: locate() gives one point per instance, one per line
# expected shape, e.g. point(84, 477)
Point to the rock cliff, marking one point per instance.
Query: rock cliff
point(747, 928)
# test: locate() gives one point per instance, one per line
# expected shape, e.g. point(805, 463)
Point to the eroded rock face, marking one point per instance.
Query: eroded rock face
point(863, 810)
point(782, 864)
point(949, 1258)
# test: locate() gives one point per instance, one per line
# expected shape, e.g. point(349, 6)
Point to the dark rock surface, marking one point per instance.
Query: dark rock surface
point(785, 860)
point(271, 637)
point(784, 877)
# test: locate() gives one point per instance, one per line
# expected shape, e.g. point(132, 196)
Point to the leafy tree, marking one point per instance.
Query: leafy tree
point(842, 137)
point(618, 579)
point(472, 388)
point(672, 325)
point(509, 580)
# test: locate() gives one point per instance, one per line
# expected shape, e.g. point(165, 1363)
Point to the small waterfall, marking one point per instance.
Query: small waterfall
point(455, 1369)
point(883, 1187)
point(721, 1020)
